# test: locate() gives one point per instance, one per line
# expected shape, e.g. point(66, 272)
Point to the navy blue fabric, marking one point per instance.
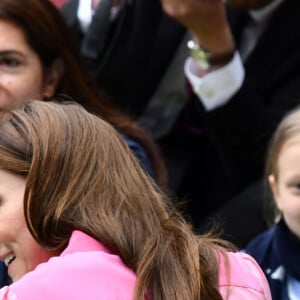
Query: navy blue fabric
point(140, 154)
point(4, 278)
point(273, 248)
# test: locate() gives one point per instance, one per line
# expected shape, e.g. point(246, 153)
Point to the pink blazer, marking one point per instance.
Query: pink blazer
point(87, 270)
point(246, 279)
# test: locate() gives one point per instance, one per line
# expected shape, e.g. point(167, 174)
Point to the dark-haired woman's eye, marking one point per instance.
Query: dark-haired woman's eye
point(9, 62)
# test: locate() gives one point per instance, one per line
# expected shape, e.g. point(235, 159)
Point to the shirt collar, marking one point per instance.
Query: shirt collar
point(81, 242)
point(85, 13)
point(262, 14)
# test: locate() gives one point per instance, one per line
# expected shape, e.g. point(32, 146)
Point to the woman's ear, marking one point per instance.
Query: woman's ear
point(275, 190)
point(52, 78)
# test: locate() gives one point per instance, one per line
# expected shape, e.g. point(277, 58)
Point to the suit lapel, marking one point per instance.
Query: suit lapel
point(277, 40)
point(276, 44)
point(69, 10)
point(237, 21)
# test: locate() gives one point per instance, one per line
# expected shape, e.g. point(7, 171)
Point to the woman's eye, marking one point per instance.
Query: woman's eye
point(10, 62)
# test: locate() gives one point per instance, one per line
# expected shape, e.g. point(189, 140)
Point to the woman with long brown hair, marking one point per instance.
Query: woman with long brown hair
point(80, 219)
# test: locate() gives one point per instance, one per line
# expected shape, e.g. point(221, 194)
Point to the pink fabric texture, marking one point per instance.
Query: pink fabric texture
point(243, 280)
point(7, 294)
point(85, 270)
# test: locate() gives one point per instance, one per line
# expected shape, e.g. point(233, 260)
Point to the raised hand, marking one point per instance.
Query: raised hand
point(205, 19)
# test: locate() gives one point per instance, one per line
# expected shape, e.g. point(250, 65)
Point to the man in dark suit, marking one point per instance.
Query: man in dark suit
point(217, 148)
point(239, 111)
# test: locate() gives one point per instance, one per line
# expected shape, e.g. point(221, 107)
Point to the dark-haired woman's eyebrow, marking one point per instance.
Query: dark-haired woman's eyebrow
point(11, 59)
point(11, 52)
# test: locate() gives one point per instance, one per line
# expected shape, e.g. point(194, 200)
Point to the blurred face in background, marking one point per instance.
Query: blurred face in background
point(21, 71)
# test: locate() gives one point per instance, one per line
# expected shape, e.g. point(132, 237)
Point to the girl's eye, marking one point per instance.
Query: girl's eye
point(296, 187)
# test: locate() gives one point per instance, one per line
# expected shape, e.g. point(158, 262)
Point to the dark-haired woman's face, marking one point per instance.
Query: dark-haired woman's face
point(21, 72)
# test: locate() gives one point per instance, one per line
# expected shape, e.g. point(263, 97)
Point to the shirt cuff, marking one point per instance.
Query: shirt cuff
point(217, 87)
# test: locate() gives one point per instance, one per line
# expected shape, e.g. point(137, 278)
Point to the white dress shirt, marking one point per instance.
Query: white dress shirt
point(217, 87)
point(85, 13)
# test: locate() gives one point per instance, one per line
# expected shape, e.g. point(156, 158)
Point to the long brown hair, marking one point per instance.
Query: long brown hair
point(48, 35)
point(74, 180)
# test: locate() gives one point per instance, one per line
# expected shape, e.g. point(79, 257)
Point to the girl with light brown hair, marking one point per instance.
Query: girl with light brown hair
point(277, 249)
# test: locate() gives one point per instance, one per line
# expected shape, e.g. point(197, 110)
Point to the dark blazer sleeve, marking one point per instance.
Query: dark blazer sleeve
point(69, 11)
point(241, 129)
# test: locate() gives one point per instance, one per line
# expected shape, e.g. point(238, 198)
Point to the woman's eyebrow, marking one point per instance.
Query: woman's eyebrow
point(9, 52)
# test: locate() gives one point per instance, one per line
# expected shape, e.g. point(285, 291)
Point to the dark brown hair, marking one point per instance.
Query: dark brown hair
point(74, 180)
point(48, 35)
